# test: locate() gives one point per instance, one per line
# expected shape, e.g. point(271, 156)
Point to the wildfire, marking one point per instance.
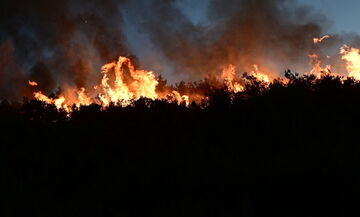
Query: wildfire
point(58, 102)
point(122, 84)
point(233, 82)
point(349, 54)
point(260, 76)
point(317, 70)
point(352, 58)
point(319, 40)
point(176, 96)
point(33, 83)
point(129, 84)
point(83, 99)
point(229, 76)
point(141, 83)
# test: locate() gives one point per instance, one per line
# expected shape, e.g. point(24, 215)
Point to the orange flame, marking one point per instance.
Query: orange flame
point(122, 83)
point(175, 95)
point(33, 83)
point(317, 70)
point(260, 76)
point(83, 99)
point(229, 76)
point(352, 58)
point(129, 84)
point(58, 102)
point(140, 83)
point(319, 40)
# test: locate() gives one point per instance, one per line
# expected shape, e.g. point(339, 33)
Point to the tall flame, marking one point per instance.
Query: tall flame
point(128, 84)
point(229, 76)
point(352, 58)
point(139, 83)
point(122, 83)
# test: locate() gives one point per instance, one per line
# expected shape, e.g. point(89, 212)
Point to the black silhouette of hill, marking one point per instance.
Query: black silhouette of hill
point(282, 150)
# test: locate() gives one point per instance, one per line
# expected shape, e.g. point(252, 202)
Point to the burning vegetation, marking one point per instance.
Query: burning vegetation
point(122, 84)
point(268, 142)
point(185, 118)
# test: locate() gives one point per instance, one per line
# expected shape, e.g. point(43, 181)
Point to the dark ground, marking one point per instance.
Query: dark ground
point(284, 151)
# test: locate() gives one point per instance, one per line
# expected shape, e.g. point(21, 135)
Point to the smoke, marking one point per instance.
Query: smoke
point(276, 34)
point(12, 79)
point(61, 42)
point(64, 43)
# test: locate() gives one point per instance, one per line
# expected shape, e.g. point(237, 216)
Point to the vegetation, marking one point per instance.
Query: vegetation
point(279, 150)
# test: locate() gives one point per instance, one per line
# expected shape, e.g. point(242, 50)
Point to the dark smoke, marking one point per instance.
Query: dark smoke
point(61, 42)
point(64, 43)
point(12, 79)
point(273, 33)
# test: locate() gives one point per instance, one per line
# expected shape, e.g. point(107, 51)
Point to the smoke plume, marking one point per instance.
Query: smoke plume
point(64, 43)
point(60, 42)
point(275, 34)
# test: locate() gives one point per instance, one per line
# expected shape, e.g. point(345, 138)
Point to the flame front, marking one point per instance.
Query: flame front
point(129, 84)
point(122, 83)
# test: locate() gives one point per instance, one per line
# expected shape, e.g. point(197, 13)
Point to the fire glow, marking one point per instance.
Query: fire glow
point(122, 83)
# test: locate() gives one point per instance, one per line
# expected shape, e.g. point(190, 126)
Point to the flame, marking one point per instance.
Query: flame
point(58, 102)
point(175, 95)
point(352, 58)
point(317, 70)
point(260, 76)
point(229, 76)
point(33, 83)
point(122, 84)
point(129, 84)
point(83, 99)
point(140, 83)
point(319, 40)
point(233, 83)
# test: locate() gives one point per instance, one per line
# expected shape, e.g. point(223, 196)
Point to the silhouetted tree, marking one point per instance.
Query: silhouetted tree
point(289, 148)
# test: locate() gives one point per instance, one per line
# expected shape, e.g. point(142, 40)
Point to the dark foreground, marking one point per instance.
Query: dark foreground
point(285, 151)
